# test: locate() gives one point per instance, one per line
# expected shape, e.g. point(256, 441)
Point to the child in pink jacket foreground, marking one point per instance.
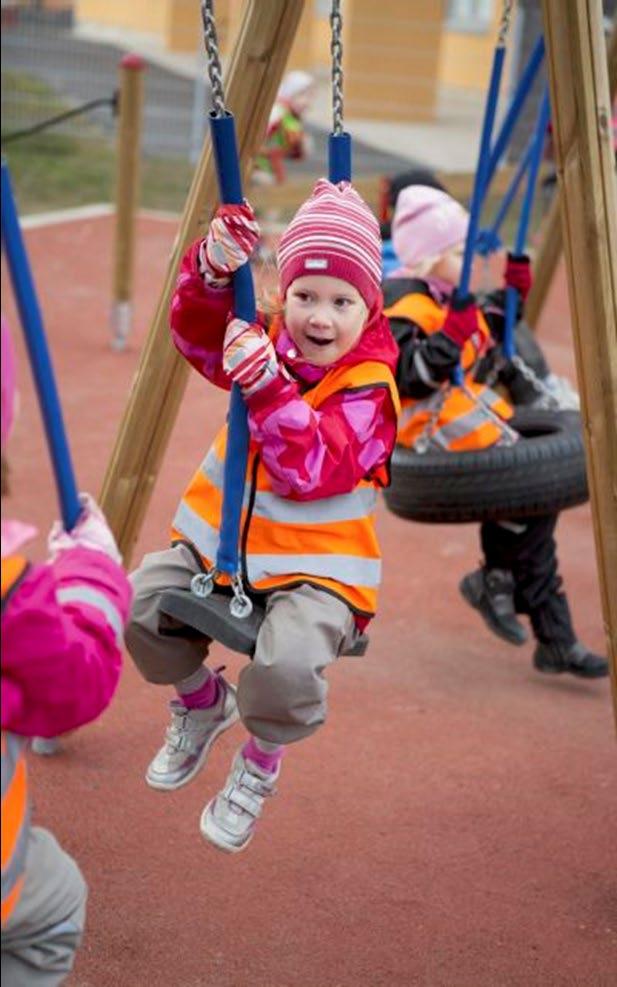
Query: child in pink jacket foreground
point(322, 407)
point(62, 636)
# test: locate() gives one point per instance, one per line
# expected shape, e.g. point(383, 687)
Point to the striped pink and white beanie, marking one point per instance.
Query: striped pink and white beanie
point(333, 233)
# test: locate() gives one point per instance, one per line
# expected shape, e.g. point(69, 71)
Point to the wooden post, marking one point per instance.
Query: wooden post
point(551, 248)
point(253, 77)
point(580, 100)
point(127, 194)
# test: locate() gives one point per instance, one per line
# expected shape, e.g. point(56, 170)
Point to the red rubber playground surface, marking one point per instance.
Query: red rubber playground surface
point(452, 825)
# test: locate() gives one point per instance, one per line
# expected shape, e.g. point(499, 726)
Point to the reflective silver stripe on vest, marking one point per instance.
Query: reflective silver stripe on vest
point(488, 397)
point(204, 537)
point(14, 747)
point(464, 425)
point(359, 503)
point(16, 864)
point(93, 598)
point(430, 404)
point(213, 469)
point(352, 570)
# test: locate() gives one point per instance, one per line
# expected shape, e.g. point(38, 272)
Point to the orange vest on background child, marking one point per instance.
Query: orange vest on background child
point(15, 805)
point(329, 542)
point(455, 416)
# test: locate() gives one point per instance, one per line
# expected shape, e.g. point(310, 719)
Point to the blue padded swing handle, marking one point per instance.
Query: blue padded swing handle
point(535, 159)
point(40, 360)
point(339, 157)
point(230, 187)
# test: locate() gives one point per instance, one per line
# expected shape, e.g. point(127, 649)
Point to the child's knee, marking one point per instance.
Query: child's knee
point(282, 701)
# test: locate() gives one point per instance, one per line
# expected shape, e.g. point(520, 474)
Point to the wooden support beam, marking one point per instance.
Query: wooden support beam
point(253, 77)
point(581, 113)
point(551, 248)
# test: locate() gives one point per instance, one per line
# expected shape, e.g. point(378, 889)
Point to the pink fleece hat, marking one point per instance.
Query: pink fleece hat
point(8, 381)
point(333, 233)
point(427, 222)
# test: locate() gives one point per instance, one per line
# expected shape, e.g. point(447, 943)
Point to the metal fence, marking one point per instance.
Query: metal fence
point(49, 68)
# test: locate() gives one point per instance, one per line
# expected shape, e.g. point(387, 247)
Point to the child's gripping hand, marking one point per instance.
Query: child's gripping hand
point(517, 274)
point(249, 356)
point(91, 531)
point(232, 238)
point(461, 322)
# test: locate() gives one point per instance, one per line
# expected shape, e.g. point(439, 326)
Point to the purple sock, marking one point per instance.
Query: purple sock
point(205, 696)
point(267, 762)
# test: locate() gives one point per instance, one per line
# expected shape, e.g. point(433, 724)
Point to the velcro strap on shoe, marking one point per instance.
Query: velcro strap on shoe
point(245, 800)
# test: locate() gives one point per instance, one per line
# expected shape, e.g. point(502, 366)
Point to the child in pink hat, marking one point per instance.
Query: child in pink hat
point(62, 624)
point(322, 404)
point(519, 573)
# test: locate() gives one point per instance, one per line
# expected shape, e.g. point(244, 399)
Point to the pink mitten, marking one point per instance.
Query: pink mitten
point(232, 238)
point(91, 531)
point(249, 356)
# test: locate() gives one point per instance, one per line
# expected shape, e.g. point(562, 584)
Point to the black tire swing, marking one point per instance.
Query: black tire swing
point(228, 614)
point(544, 471)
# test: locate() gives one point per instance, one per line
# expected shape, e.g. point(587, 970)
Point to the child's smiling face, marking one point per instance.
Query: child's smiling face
point(325, 317)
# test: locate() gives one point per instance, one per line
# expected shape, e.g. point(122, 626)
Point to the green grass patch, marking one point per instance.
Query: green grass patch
point(50, 170)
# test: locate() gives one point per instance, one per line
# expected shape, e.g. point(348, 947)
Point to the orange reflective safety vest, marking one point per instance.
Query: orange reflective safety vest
point(15, 806)
point(457, 419)
point(330, 542)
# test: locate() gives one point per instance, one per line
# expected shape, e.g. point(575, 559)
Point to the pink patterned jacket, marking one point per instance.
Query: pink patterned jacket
point(308, 453)
point(62, 632)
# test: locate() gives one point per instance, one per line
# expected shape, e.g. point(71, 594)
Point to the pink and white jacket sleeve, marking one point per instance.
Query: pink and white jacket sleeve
point(312, 453)
point(62, 638)
point(198, 319)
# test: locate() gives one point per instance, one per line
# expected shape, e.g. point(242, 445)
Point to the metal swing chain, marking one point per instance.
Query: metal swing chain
point(215, 72)
point(336, 50)
point(504, 24)
point(202, 584)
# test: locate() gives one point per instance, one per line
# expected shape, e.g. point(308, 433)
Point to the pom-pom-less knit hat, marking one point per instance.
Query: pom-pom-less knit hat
point(426, 224)
point(333, 233)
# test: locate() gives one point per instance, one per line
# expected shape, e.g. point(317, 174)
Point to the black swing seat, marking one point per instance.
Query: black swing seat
point(210, 616)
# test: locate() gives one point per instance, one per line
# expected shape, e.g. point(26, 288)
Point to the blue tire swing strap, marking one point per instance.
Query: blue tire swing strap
point(482, 168)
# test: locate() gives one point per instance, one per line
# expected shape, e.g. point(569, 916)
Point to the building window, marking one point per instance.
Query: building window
point(472, 16)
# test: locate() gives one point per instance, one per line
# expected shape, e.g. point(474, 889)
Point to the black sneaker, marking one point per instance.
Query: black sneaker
point(491, 593)
point(553, 659)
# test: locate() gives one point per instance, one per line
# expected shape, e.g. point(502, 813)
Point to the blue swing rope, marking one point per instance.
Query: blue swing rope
point(537, 147)
point(488, 240)
point(523, 88)
point(38, 352)
point(230, 187)
point(483, 161)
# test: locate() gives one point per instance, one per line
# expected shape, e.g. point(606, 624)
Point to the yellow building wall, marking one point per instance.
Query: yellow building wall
point(391, 58)
point(466, 58)
point(147, 16)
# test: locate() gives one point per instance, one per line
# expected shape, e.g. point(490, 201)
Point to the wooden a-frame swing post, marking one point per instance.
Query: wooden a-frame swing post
point(255, 70)
point(581, 114)
point(551, 247)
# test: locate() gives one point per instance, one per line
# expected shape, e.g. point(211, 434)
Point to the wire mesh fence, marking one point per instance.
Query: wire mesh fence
point(50, 68)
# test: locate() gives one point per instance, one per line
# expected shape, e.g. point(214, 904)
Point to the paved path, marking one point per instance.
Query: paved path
point(451, 826)
point(81, 69)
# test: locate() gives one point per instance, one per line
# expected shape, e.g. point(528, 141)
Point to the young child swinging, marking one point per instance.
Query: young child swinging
point(322, 411)
point(519, 572)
